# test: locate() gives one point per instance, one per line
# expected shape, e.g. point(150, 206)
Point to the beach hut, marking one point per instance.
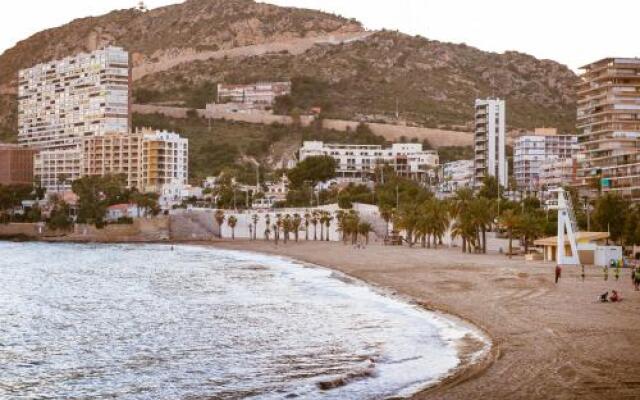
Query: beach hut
point(587, 244)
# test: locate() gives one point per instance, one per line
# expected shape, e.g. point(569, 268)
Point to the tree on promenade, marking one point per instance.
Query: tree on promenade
point(219, 217)
point(232, 221)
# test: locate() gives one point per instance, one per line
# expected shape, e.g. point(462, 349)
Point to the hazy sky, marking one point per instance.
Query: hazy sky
point(573, 32)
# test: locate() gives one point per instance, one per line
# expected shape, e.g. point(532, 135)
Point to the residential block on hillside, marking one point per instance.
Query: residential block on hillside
point(260, 94)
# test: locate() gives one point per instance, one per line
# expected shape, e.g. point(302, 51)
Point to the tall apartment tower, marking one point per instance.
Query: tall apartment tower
point(608, 123)
point(490, 141)
point(63, 101)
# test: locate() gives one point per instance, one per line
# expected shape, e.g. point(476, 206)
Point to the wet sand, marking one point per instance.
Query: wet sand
point(549, 341)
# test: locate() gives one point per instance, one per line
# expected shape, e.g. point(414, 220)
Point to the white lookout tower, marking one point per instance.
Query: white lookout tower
point(566, 226)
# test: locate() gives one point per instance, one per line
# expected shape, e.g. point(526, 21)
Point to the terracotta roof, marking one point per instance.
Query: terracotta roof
point(580, 237)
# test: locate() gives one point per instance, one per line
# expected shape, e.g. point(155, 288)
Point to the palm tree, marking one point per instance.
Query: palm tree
point(406, 218)
point(314, 221)
point(267, 231)
point(323, 216)
point(307, 221)
point(386, 213)
point(481, 210)
point(295, 225)
point(255, 226)
point(327, 220)
point(232, 221)
point(510, 221)
point(286, 227)
point(219, 217)
point(531, 228)
point(276, 227)
point(364, 228)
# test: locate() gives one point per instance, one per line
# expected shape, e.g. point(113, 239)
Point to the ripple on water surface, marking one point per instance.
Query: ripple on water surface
point(130, 321)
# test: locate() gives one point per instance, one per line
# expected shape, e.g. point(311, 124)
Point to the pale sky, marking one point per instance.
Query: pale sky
point(573, 32)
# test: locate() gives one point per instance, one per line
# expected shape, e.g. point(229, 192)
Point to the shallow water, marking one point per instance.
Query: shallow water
point(146, 322)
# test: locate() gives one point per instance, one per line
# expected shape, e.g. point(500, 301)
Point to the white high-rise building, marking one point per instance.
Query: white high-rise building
point(63, 101)
point(490, 141)
point(531, 151)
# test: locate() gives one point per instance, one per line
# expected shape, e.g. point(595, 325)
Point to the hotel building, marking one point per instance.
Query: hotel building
point(358, 162)
point(152, 161)
point(62, 102)
point(16, 165)
point(608, 122)
point(531, 151)
point(490, 141)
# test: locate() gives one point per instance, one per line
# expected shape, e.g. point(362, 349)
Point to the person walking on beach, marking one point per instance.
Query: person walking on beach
point(606, 272)
point(558, 272)
point(582, 273)
point(616, 272)
point(636, 281)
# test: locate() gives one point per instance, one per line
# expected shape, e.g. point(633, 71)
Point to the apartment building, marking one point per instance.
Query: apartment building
point(165, 164)
point(557, 172)
point(16, 165)
point(608, 122)
point(152, 161)
point(261, 94)
point(456, 175)
point(359, 162)
point(63, 101)
point(490, 141)
point(531, 151)
point(113, 154)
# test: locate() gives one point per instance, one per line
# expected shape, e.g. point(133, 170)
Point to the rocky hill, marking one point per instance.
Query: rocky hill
point(431, 83)
point(193, 26)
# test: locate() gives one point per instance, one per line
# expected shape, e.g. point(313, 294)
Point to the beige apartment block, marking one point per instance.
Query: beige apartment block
point(152, 161)
point(114, 154)
point(608, 123)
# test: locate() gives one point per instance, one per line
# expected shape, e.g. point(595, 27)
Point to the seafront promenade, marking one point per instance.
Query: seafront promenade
point(549, 341)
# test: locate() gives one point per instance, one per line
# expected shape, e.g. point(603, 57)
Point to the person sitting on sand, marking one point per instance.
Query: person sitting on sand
point(614, 298)
point(604, 297)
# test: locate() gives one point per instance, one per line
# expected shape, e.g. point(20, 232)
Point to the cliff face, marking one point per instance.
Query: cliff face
point(434, 83)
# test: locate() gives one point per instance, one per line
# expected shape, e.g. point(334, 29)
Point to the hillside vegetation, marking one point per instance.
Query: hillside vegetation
point(431, 83)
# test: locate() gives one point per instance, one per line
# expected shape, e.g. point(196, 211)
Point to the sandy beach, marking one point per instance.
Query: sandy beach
point(549, 341)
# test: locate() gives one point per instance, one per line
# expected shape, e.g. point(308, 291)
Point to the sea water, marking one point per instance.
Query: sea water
point(187, 322)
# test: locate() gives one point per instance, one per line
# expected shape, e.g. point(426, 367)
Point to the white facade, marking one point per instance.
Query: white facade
point(360, 161)
point(165, 164)
point(490, 141)
point(531, 151)
point(255, 94)
point(60, 102)
point(457, 175)
point(55, 170)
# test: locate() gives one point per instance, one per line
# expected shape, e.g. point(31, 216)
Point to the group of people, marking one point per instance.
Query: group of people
point(614, 265)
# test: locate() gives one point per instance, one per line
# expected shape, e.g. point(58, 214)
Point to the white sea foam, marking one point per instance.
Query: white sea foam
point(143, 321)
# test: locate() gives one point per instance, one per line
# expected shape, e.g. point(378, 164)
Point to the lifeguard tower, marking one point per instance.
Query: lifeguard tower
point(567, 228)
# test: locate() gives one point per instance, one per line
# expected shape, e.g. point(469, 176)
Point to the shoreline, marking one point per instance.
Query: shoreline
point(547, 340)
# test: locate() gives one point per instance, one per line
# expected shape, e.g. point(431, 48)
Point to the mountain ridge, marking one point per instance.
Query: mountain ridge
point(435, 81)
